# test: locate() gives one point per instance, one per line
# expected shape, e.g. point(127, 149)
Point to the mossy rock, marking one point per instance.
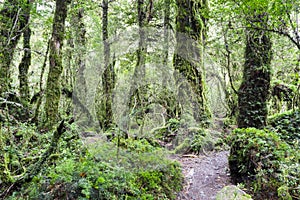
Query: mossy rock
point(232, 192)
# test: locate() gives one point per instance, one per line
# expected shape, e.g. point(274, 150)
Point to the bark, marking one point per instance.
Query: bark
point(188, 58)
point(26, 60)
point(81, 44)
point(12, 23)
point(105, 88)
point(80, 91)
point(37, 97)
point(55, 58)
point(166, 41)
point(135, 100)
point(254, 90)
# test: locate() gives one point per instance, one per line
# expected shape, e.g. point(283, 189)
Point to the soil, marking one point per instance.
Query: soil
point(205, 175)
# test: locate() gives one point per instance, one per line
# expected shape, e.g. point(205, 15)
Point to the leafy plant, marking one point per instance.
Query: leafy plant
point(202, 141)
point(287, 124)
point(263, 161)
point(98, 171)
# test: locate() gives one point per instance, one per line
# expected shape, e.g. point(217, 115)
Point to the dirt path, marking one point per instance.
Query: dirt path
point(204, 175)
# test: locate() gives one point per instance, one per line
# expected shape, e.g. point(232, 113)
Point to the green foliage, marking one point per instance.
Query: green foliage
point(199, 141)
point(287, 124)
point(130, 173)
point(168, 131)
point(19, 147)
point(263, 161)
point(202, 141)
point(101, 170)
point(136, 145)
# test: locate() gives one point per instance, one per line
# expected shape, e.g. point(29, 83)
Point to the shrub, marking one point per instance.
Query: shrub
point(136, 170)
point(287, 125)
point(263, 161)
point(203, 140)
point(133, 169)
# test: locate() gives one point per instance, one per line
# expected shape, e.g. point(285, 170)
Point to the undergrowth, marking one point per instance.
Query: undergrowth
point(125, 169)
point(287, 125)
point(267, 164)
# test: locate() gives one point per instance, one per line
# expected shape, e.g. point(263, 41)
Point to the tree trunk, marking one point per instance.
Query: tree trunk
point(53, 82)
point(188, 58)
point(81, 45)
point(26, 60)
point(166, 42)
point(254, 90)
point(80, 90)
point(135, 93)
point(105, 88)
point(12, 22)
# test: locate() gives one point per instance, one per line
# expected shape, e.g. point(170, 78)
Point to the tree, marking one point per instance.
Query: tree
point(167, 27)
point(14, 18)
point(188, 59)
point(53, 82)
point(136, 100)
point(105, 88)
point(26, 60)
point(254, 90)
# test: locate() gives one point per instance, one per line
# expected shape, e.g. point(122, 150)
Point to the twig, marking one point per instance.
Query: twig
point(4, 101)
point(14, 26)
point(4, 194)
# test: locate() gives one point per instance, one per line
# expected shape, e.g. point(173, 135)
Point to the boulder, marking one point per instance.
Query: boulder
point(232, 192)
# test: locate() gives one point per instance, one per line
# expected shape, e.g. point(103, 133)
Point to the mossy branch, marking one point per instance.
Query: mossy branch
point(34, 169)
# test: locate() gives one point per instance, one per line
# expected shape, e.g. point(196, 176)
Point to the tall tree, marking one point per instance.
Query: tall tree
point(167, 27)
point(188, 59)
point(26, 60)
point(13, 19)
point(254, 90)
point(55, 57)
point(105, 88)
point(144, 15)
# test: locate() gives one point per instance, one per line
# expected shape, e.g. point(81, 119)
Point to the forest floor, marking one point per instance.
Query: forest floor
point(205, 175)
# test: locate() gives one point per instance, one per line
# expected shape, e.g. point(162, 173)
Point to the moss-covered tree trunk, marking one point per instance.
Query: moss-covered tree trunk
point(188, 58)
point(254, 90)
point(81, 47)
point(106, 86)
point(135, 101)
point(26, 60)
point(12, 22)
point(167, 13)
point(55, 57)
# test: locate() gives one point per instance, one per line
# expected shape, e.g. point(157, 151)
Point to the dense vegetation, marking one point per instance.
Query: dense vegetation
point(265, 163)
point(95, 95)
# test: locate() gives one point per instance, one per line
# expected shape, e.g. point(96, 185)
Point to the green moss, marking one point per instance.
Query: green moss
point(283, 193)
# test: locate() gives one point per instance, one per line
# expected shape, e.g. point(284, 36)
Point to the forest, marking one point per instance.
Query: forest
point(135, 99)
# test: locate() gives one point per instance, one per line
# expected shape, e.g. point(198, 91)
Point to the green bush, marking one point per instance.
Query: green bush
point(264, 162)
point(202, 141)
point(287, 124)
point(105, 173)
point(134, 169)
